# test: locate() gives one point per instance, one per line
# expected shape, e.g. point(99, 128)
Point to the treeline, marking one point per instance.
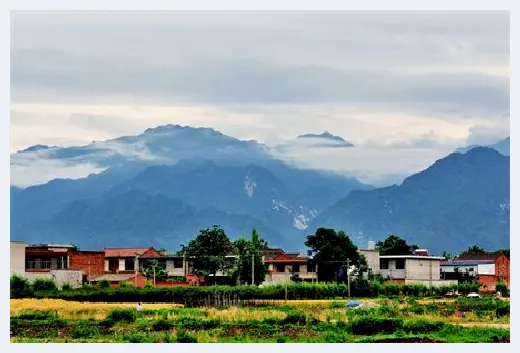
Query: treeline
point(237, 295)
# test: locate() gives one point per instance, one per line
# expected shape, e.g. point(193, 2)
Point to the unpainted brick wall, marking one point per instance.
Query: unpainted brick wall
point(90, 262)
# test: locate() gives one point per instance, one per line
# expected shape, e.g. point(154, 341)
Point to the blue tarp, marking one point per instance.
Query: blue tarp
point(353, 304)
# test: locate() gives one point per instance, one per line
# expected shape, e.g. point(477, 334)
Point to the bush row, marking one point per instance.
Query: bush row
point(235, 295)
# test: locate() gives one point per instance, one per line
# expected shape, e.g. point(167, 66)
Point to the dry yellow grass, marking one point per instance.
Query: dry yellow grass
point(77, 310)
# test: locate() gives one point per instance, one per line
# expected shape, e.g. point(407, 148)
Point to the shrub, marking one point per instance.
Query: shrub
point(138, 337)
point(295, 318)
point(375, 325)
point(20, 287)
point(503, 309)
point(162, 325)
point(502, 288)
point(66, 286)
point(38, 315)
point(184, 337)
point(116, 315)
point(281, 340)
point(423, 326)
point(44, 284)
point(85, 332)
point(104, 284)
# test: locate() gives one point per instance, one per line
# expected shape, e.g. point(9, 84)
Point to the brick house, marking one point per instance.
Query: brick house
point(92, 263)
point(62, 263)
point(488, 268)
point(126, 260)
point(281, 266)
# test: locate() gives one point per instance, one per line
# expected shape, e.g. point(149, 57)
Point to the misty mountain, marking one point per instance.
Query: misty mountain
point(501, 146)
point(460, 200)
point(242, 184)
point(326, 139)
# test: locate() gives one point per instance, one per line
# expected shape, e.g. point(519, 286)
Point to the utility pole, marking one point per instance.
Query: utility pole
point(285, 292)
point(348, 276)
point(253, 269)
point(136, 267)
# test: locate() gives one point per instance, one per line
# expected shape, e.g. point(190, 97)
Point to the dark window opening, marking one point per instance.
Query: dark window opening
point(280, 268)
point(178, 263)
point(399, 264)
point(383, 264)
point(310, 268)
point(296, 268)
point(129, 265)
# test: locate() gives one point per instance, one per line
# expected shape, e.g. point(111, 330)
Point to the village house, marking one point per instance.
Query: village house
point(413, 269)
point(488, 268)
point(61, 263)
point(282, 266)
point(126, 260)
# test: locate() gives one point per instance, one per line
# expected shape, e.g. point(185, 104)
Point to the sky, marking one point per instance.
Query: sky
point(406, 88)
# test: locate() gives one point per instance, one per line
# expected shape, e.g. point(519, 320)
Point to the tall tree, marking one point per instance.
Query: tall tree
point(333, 250)
point(447, 255)
point(393, 245)
point(210, 252)
point(474, 250)
point(249, 251)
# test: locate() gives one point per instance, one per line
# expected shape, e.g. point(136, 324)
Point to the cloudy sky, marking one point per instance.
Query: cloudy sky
point(405, 88)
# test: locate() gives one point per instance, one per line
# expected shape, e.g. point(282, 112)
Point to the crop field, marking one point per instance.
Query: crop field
point(379, 320)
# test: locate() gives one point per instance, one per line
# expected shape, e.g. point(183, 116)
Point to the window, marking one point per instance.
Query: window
point(399, 264)
point(178, 263)
point(280, 268)
point(296, 268)
point(383, 264)
point(129, 265)
point(310, 267)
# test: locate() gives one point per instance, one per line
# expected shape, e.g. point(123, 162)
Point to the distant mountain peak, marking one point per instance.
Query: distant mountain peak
point(337, 141)
point(168, 128)
point(36, 148)
point(502, 146)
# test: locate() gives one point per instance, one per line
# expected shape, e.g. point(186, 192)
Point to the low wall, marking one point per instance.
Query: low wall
point(60, 277)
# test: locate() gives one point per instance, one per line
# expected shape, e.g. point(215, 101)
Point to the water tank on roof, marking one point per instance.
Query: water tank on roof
point(371, 245)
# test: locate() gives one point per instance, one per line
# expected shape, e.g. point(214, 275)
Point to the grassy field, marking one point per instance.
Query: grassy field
point(380, 320)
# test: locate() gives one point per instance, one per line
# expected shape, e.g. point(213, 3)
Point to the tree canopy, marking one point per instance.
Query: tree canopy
point(333, 249)
point(393, 245)
point(247, 250)
point(474, 250)
point(209, 252)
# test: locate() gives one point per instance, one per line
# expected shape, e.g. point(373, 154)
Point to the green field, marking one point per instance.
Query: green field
point(380, 320)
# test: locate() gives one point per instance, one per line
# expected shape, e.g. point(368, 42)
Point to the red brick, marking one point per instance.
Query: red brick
point(92, 263)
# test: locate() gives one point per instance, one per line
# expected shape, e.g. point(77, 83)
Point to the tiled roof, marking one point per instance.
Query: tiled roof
point(124, 252)
point(480, 257)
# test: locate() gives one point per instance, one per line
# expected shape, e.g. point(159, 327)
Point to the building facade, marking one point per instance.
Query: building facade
point(283, 267)
point(126, 260)
point(413, 269)
point(487, 268)
point(17, 257)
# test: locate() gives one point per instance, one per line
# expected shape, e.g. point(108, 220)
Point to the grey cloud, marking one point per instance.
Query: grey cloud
point(254, 83)
point(485, 135)
point(232, 58)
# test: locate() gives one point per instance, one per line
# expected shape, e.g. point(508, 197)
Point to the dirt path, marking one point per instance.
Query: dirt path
point(484, 324)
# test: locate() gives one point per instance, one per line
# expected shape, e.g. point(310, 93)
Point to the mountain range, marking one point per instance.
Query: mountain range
point(162, 186)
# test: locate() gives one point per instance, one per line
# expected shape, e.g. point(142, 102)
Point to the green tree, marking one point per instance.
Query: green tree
point(209, 252)
point(160, 270)
point(249, 251)
point(506, 252)
point(393, 245)
point(162, 251)
point(473, 250)
point(333, 250)
point(447, 255)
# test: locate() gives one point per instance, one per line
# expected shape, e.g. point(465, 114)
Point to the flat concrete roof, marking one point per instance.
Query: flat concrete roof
point(411, 257)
